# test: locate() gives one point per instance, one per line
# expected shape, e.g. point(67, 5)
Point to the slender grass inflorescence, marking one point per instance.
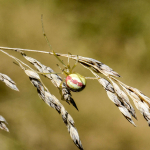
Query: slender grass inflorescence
point(117, 91)
point(120, 97)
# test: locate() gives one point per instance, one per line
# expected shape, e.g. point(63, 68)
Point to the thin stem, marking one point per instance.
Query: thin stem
point(27, 50)
point(44, 52)
point(37, 51)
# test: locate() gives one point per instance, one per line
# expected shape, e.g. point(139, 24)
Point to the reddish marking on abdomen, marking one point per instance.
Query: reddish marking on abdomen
point(74, 81)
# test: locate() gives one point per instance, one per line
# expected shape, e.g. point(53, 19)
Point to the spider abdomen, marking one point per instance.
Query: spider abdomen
point(75, 82)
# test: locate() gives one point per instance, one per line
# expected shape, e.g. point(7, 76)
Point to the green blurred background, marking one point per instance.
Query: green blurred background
point(116, 33)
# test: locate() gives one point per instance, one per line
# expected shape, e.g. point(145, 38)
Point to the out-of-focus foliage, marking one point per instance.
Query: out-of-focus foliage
point(114, 32)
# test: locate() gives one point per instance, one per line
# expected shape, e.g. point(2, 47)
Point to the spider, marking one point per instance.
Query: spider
point(74, 81)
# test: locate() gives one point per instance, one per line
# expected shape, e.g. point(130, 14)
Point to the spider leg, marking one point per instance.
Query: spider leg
point(92, 78)
point(75, 63)
point(63, 70)
point(68, 62)
point(45, 36)
point(60, 90)
point(59, 59)
point(45, 73)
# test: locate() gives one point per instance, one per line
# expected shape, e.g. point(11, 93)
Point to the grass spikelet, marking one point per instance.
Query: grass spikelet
point(124, 99)
point(113, 97)
point(8, 81)
point(3, 123)
point(141, 101)
point(141, 105)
